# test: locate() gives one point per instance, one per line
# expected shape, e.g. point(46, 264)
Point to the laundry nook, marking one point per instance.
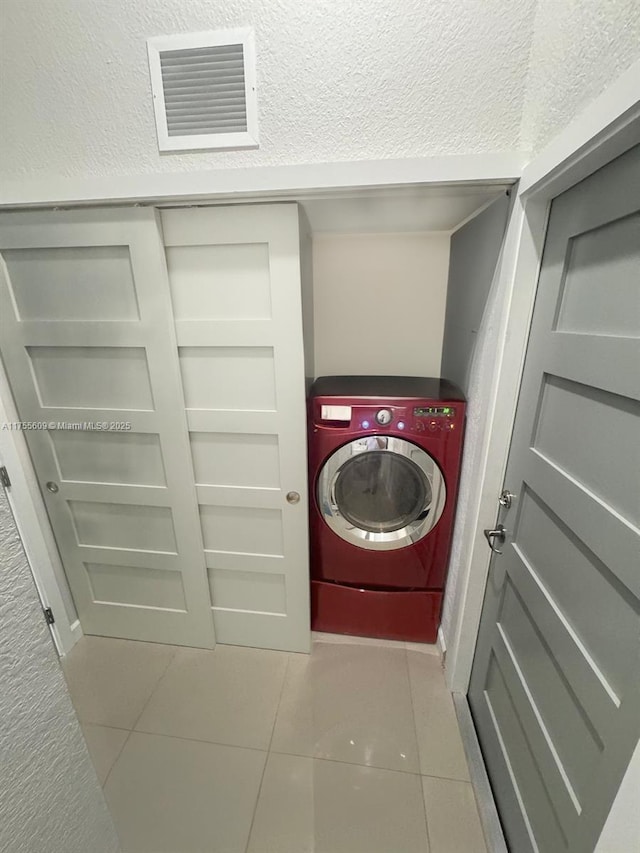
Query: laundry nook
point(173, 448)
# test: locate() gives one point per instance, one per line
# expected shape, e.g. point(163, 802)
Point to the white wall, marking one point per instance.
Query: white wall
point(480, 389)
point(578, 49)
point(49, 794)
point(360, 80)
point(621, 830)
point(379, 303)
point(474, 254)
point(479, 382)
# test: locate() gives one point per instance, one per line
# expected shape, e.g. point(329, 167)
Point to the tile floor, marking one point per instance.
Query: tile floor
point(352, 749)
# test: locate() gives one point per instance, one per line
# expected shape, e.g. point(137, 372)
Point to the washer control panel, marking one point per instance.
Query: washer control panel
point(434, 418)
point(384, 417)
point(416, 420)
point(434, 411)
point(409, 419)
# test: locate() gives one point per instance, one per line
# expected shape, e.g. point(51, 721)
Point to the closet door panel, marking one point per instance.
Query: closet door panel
point(88, 341)
point(235, 282)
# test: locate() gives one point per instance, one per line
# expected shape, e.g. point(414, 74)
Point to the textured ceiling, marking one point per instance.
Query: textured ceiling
point(366, 79)
point(578, 49)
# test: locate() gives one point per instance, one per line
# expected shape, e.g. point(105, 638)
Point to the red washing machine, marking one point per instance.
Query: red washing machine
point(384, 460)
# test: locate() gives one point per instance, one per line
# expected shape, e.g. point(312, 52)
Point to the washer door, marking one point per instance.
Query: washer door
point(381, 492)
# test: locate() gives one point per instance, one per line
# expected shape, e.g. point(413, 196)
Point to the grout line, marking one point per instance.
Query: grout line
point(101, 725)
point(155, 686)
point(281, 752)
point(424, 809)
point(415, 731)
point(284, 681)
point(446, 778)
point(296, 755)
point(131, 730)
point(348, 763)
point(413, 705)
point(199, 740)
point(115, 761)
point(264, 769)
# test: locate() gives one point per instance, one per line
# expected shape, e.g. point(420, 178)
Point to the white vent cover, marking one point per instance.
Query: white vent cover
point(204, 90)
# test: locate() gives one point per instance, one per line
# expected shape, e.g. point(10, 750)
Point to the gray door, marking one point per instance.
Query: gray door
point(555, 687)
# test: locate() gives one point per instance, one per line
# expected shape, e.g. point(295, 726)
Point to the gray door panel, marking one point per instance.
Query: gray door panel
point(555, 687)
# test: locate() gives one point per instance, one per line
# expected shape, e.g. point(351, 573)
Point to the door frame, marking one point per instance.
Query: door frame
point(32, 521)
point(608, 127)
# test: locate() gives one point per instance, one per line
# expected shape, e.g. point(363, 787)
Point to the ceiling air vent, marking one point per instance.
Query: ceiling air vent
point(204, 90)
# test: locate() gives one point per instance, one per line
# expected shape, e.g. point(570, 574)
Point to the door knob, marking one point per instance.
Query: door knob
point(499, 533)
point(52, 487)
point(293, 497)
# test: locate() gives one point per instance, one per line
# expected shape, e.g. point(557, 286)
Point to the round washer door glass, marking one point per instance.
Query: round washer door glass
point(381, 492)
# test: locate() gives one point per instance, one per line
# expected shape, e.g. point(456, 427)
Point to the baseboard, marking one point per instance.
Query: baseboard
point(487, 810)
point(442, 646)
point(74, 634)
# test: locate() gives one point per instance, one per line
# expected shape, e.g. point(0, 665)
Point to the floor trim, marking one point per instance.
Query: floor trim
point(491, 826)
point(441, 644)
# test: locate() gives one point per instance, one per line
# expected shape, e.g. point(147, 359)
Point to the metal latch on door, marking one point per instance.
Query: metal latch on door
point(498, 533)
point(506, 499)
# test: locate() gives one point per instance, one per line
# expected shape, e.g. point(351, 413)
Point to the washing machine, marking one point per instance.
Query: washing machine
point(384, 464)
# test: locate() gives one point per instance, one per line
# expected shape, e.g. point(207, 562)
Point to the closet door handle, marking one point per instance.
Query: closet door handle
point(293, 497)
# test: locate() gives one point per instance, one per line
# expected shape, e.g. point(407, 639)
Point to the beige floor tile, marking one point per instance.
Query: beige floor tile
point(311, 806)
point(452, 817)
point(111, 680)
point(425, 648)
point(104, 746)
point(348, 703)
point(229, 695)
point(169, 795)
point(439, 742)
point(348, 640)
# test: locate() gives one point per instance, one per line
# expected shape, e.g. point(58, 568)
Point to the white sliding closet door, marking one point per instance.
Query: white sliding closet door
point(87, 337)
point(235, 276)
